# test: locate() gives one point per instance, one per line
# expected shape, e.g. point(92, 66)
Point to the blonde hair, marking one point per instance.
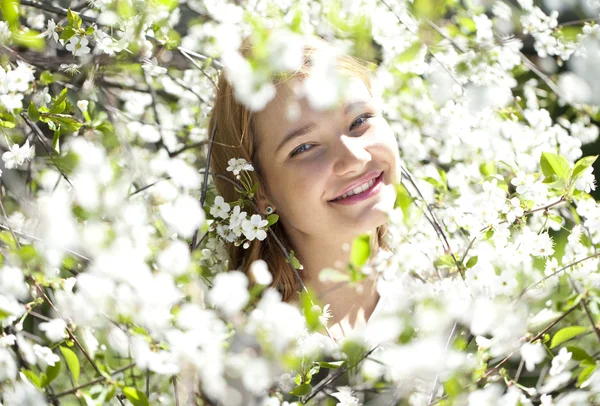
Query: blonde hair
point(235, 137)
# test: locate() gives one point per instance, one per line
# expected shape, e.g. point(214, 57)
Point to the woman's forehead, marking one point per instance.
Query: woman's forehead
point(291, 108)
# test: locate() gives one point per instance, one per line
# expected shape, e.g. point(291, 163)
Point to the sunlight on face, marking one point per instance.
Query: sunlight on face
point(312, 159)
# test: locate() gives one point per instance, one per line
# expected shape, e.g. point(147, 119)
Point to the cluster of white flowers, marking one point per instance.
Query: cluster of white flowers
point(542, 28)
point(14, 83)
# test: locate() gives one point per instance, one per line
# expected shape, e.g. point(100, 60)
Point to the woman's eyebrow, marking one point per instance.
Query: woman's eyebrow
point(354, 105)
point(305, 129)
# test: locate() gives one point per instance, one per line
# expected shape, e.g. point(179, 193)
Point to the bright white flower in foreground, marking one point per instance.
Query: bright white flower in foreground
point(17, 156)
point(184, 215)
point(175, 259)
point(238, 165)
point(152, 67)
point(12, 282)
point(253, 228)
point(346, 397)
point(78, 45)
point(559, 363)
point(8, 366)
point(220, 208)
point(23, 393)
point(45, 355)
point(229, 292)
point(586, 181)
point(55, 330)
point(486, 396)
point(532, 354)
point(260, 272)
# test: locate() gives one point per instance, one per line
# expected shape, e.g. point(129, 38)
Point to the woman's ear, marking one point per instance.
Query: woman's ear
point(266, 207)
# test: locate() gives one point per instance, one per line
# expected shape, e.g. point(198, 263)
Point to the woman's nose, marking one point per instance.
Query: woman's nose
point(351, 155)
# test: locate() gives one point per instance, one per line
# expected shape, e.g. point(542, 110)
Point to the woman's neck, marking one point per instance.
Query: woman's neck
point(350, 304)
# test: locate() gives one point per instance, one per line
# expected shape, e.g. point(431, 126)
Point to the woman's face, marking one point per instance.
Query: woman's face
point(315, 159)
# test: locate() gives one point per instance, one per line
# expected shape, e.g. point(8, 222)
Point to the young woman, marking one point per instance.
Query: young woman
point(329, 175)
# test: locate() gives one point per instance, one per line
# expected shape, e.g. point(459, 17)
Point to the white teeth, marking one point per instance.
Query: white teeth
point(357, 190)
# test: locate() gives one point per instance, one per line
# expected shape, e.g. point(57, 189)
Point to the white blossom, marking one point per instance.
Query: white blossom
point(220, 208)
point(18, 155)
point(45, 355)
point(345, 397)
point(532, 354)
point(55, 329)
point(560, 361)
point(254, 228)
point(78, 45)
point(238, 165)
point(229, 293)
point(260, 272)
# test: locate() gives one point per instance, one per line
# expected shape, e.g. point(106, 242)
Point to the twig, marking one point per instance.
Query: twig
point(33, 238)
point(175, 392)
point(8, 226)
point(205, 184)
point(321, 385)
point(586, 309)
point(556, 273)
point(185, 54)
point(44, 141)
point(93, 382)
point(187, 147)
point(437, 376)
point(535, 338)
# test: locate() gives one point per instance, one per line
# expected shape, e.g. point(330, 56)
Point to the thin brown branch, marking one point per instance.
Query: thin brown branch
point(93, 382)
point(556, 273)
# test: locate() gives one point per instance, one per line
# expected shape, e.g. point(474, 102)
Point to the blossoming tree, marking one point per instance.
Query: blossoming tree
point(114, 281)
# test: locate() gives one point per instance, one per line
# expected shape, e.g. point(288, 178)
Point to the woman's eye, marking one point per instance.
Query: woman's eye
point(300, 149)
point(361, 120)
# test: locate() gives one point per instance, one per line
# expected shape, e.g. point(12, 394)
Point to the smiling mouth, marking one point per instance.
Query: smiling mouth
point(361, 191)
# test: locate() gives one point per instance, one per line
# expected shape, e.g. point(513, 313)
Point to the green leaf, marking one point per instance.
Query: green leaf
point(554, 164)
point(33, 112)
point(61, 97)
point(403, 199)
point(556, 218)
point(472, 262)
point(51, 374)
point(30, 39)
point(72, 362)
point(585, 374)
point(331, 365)
point(74, 19)
point(302, 390)
point(135, 396)
point(67, 122)
point(10, 13)
point(46, 77)
point(272, 219)
point(565, 334)
point(56, 141)
point(7, 124)
point(429, 9)
point(579, 354)
point(410, 53)
point(32, 377)
point(67, 34)
point(583, 164)
point(360, 251)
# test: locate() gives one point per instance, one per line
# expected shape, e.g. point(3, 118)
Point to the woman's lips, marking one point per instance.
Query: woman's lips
point(372, 191)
